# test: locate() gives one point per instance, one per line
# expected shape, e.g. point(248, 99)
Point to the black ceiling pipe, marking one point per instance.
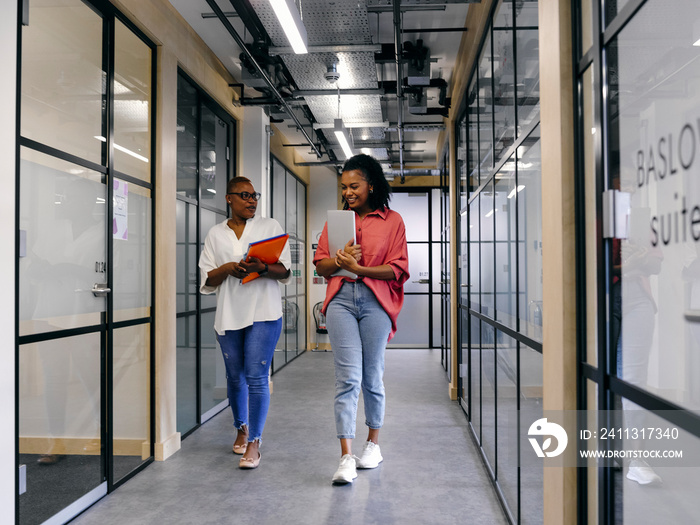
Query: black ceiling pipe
point(231, 30)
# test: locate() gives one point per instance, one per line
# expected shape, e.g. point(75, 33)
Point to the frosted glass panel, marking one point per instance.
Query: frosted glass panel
point(418, 268)
point(186, 373)
point(132, 251)
point(488, 393)
point(474, 232)
point(506, 268)
point(213, 372)
point(131, 390)
point(531, 410)
point(435, 197)
point(530, 215)
point(63, 84)
point(435, 285)
point(413, 208)
point(62, 219)
point(186, 256)
point(487, 251)
point(437, 320)
point(208, 220)
point(474, 371)
point(413, 322)
point(507, 428)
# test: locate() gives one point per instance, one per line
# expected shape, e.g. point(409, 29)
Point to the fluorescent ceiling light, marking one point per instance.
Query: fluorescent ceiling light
point(290, 20)
point(341, 133)
point(212, 190)
point(123, 149)
point(514, 190)
point(490, 213)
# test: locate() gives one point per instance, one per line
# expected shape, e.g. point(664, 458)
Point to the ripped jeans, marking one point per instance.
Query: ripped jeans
point(247, 354)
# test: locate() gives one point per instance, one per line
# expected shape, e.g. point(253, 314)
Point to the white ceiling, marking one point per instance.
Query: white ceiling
point(347, 22)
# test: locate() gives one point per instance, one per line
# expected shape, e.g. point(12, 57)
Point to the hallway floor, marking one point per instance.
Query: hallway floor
point(431, 473)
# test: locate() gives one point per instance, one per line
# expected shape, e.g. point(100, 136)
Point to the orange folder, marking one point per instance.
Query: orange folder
point(267, 250)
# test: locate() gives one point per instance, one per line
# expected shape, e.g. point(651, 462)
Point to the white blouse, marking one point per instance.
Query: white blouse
point(240, 305)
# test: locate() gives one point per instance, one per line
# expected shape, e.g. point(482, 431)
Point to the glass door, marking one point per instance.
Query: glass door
point(415, 323)
point(63, 304)
point(85, 406)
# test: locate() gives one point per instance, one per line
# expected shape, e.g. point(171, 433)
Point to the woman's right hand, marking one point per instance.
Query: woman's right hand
point(353, 250)
point(235, 269)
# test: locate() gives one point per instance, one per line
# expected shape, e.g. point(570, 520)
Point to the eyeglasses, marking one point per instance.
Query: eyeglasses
point(245, 195)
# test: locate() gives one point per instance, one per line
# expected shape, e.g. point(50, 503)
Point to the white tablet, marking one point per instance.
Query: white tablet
point(341, 228)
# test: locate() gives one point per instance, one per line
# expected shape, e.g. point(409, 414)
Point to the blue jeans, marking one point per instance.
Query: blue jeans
point(358, 328)
point(247, 355)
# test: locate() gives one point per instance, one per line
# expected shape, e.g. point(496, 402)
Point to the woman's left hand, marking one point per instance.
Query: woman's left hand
point(347, 262)
point(252, 264)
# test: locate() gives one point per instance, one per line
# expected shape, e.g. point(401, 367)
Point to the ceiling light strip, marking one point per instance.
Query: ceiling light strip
point(291, 23)
point(244, 48)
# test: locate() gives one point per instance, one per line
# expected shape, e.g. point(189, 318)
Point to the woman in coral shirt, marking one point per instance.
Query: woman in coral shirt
point(361, 313)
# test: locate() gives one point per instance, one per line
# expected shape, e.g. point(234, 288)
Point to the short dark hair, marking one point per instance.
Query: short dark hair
point(374, 174)
point(234, 181)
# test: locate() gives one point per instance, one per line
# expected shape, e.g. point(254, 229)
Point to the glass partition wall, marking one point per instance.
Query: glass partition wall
point(85, 277)
point(289, 209)
point(444, 258)
point(500, 253)
point(419, 320)
point(637, 72)
point(205, 138)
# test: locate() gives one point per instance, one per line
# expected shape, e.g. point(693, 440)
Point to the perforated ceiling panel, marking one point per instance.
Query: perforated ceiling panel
point(353, 108)
point(327, 22)
point(357, 70)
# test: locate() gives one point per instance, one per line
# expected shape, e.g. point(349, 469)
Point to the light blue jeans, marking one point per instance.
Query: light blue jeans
point(247, 354)
point(358, 328)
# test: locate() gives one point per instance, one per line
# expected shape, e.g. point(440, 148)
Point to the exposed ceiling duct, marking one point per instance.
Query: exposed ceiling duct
point(399, 83)
point(387, 86)
point(263, 75)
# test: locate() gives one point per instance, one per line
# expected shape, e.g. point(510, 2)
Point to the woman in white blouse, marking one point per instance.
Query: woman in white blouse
point(248, 319)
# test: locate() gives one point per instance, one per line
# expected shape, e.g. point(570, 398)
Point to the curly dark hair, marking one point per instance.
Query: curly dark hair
point(374, 175)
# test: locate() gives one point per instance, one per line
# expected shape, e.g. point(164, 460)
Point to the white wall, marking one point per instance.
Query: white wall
point(8, 97)
point(254, 153)
point(322, 196)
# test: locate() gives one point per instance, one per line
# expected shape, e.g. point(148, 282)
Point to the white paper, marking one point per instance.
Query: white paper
point(120, 211)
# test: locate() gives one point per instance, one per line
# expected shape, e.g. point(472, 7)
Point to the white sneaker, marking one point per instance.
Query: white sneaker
point(346, 470)
point(640, 471)
point(371, 457)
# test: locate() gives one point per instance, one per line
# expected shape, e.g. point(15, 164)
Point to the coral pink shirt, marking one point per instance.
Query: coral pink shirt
point(382, 237)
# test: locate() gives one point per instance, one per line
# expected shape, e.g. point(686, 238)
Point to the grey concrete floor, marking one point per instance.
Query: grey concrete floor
point(431, 473)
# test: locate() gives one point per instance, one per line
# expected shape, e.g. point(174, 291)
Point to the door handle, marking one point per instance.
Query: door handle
point(100, 290)
point(692, 316)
